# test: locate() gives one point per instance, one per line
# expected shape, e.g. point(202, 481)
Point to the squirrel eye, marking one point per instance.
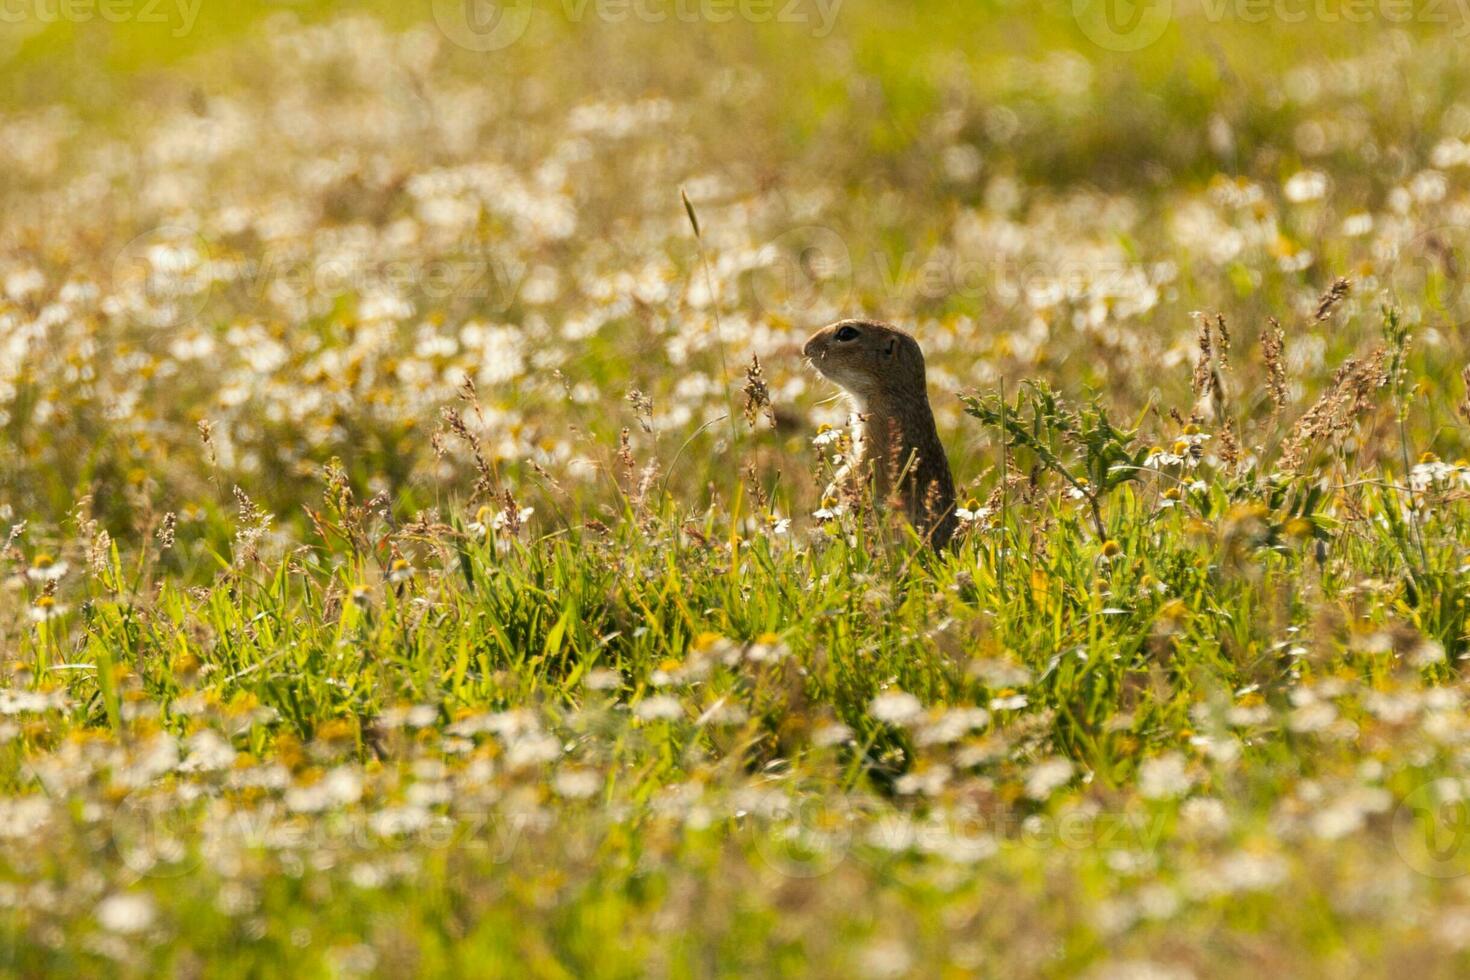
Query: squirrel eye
point(845, 334)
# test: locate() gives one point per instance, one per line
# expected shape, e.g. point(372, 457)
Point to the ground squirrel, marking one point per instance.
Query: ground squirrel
point(882, 370)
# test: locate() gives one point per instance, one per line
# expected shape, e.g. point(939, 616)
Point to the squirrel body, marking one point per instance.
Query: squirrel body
point(881, 368)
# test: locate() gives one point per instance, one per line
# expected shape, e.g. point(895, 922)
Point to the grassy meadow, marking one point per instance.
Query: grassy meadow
point(414, 557)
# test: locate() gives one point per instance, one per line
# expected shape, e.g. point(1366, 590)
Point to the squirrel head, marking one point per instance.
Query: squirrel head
point(871, 361)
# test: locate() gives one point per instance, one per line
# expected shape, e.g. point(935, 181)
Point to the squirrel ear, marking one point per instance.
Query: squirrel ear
point(891, 342)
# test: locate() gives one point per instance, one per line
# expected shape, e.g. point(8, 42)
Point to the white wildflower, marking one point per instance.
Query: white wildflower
point(1305, 185)
point(576, 784)
point(660, 707)
point(339, 787)
point(602, 679)
point(1047, 776)
point(125, 913)
point(1205, 815)
point(208, 752)
point(952, 726)
point(44, 568)
point(531, 748)
point(895, 707)
point(831, 509)
point(1163, 777)
point(832, 734)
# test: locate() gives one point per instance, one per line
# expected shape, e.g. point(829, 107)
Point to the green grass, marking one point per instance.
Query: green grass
point(320, 662)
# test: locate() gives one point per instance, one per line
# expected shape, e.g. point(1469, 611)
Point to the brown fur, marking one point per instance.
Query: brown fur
point(882, 370)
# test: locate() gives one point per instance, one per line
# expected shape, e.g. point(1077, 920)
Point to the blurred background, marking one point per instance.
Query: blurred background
point(243, 240)
point(407, 484)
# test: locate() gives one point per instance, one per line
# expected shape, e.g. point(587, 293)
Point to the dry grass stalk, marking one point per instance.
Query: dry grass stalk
point(1349, 396)
point(1329, 300)
point(757, 394)
point(1463, 408)
point(485, 481)
point(1229, 444)
point(1209, 389)
point(643, 409)
point(1273, 349)
point(1224, 344)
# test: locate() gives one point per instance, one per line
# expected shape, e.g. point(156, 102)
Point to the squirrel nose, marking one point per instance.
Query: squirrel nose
point(810, 348)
